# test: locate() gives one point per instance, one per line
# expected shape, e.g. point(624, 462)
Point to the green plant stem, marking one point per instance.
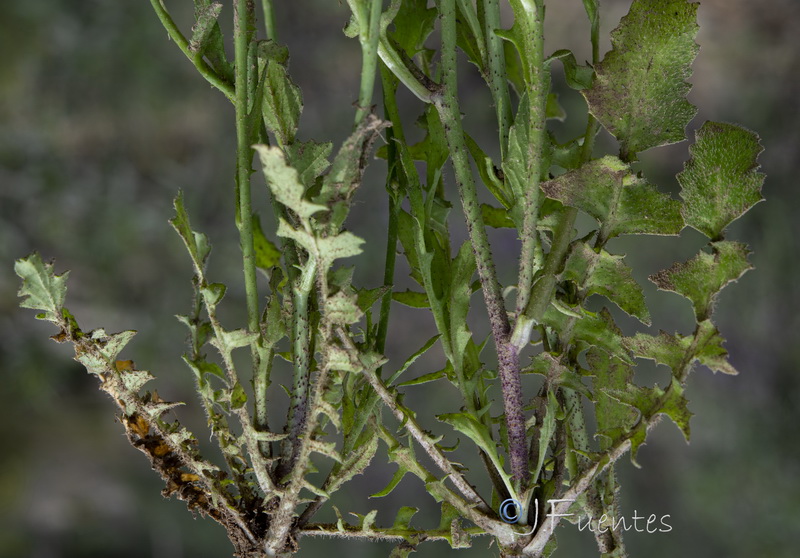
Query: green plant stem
point(496, 71)
point(202, 66)
point(542, 292)
point(369, 37)
point(269, 19)
point(412, 80)
point(298, 409)
point(507, 355)
point(536, 96)
point(243, 33)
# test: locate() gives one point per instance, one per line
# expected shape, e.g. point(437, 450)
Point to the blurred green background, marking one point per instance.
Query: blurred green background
point(102, 120)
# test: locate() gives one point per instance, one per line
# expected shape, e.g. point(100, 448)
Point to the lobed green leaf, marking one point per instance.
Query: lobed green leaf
point(41, 288)
point(639, 92)
point(702, 277)
point(721, 180)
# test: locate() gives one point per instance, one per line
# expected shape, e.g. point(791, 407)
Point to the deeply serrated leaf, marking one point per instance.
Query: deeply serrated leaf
point(608, 275)
point(591, 331)
point(284, 182)
point(639, 92)
point(622, 202)
point(41, 287)
point(702, 277)
point(354, 464)
point(721, 180)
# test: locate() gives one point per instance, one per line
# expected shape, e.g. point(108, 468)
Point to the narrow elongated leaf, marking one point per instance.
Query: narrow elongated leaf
point(607, 275)
point(702, 277)
point(282, 103)
point(41, 288)
point(721, 180)
point(413, 358)
point(267, 254)
point(639, 92)
point(414, 299)
point(196, 243)
point(204, 25)
point(622, 202)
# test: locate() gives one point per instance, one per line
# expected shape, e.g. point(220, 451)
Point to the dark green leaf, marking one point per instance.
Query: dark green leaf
point(282, 103)
point(702, 277)
point(577, 76)
point(607, 275)
point(721, 180)
point(267, 255)
point(413, 23)
point(622, 202)
point(310, 159)
point(639, 92)
point(496, 217)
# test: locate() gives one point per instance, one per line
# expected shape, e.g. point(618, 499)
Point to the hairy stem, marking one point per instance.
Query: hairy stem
point(539, 85)
point(202, 66)
point(496, 71)
point(243, 34)
point(507, 355)
point(369, 37)
point(269, 19)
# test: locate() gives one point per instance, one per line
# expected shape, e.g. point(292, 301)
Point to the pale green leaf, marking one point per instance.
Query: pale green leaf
point(702, 277)
point(133, 380)
point(721, 180)
point(639, 91)
point(196, 243)
point(226, 341)
point(342, 308)
point(41, 287)
point(285, 183)
point(354, 464)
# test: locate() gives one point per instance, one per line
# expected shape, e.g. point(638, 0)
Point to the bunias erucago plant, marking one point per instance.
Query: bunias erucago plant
point(542, 460)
